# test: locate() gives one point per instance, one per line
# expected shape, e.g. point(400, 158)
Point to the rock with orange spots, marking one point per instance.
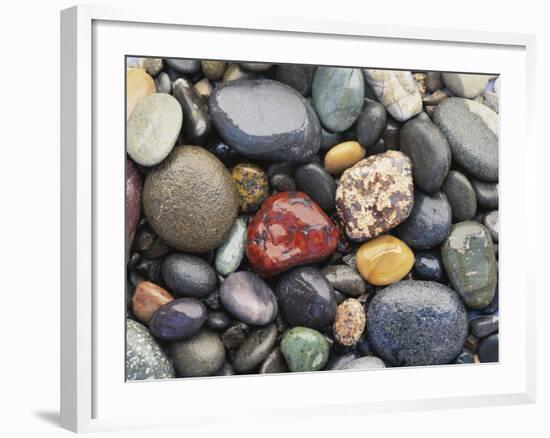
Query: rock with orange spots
point(375, 195)
point(148, 297)
point(349, 323)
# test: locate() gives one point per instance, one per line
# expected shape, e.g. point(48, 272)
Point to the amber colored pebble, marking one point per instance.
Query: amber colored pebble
point(349, 323)
point(252, 186)
point(384, 260)
point(148, 297)
point(138, 85)
point(343, 156)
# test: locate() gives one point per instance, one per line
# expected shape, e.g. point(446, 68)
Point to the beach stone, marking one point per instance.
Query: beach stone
point(345, 279)
point(255, 349)
point(486, 194)
point(235, 72)
point(329, 139)
point(213, 70)
point(349, 322)
point(371, 124)
point(429, 223)
point(337, 95)
point(152, 66)
point(266, 120)
point(153, 129)
point(434, 99)
point(200, 356)
point(163, 83)
point(204, 88)
point(218, 320)
point(491, 223)
point(147, 299)
point(417, 323)
point(179, 319)
point(428, 150)
point(488, 349)
point(465, 85)
point(306, 298)
point(274, 363)
point(470, 263)
point(196, 121)
point(138, 85)
point(289, 230)
point(281, 182)
point(299, 77)
point(145, 360)
point(343, 156)
point(364, 363)
point(134, 188)
point(433, 81)
point(180, 196)
point(317, 183)
point(256, 66)
point(304, 349)
point(248, 298)
point(230, 255)
point(188, 275)
point(429, 266)
point(397, 91)
point(375, 195)
point(185, 66)
point(461, 196)
point(472, 132)
point(484, 325)
point(252, 186)
point(235, 335)
point(384, 260)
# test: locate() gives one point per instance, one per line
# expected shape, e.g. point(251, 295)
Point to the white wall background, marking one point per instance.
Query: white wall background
point(29, 215)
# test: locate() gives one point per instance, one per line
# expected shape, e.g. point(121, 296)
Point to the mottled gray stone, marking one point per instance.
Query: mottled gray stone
point(465, 85)
point(461, 196)
point(345, 279)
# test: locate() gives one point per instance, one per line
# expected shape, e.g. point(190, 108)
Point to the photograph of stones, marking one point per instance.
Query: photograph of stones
point(298, 218)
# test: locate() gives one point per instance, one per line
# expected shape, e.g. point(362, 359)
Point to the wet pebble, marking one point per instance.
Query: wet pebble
point(428, 266)
point(484, 325)
point(317, 183)
point(304, 349)
point(188, 275)
point(148, 298)
point(345, 279)
point(178, 319)
point(196, 121)
point(488, 349)
point(343, 156)
point(370, 124)
point(255, 349)
point(461, 196)
point(486, 194)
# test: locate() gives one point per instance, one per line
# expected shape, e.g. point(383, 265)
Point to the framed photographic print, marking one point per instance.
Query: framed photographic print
point(256, 207)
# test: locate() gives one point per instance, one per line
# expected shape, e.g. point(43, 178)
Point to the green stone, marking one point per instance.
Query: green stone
point(230, 254)
point(304, 349)
point(145, 359)
point(470, 263)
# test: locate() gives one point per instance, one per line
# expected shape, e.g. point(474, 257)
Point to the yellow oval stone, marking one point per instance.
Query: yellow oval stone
point(138, 85)
point(343, 156)
point(384, 260)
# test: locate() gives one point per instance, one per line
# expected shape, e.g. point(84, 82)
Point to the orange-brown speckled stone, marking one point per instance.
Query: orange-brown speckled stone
point(148, 297)
point(349, 323)
point(375, 195)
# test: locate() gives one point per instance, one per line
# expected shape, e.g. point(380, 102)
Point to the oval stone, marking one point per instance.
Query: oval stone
point(180, 195)
point(248, 298)
point(252, 186)
point(200, 356)
point(384, 260)
point(364, 363)
point(317, 183)
point(486, 194)
point(138, 85)
point(179, 319)
point(188, 275)
point(153, 129)
point(488, 349)
point(417, 323)
point(461, 196)
point(371, 124)
point(429, 152)
point(428, 266)
point(231, 253)
point(345, 279)
point(147, 299)
point(349, 322)
point(306, 298)
point(196, 121)
point(153, 66)
point(213, 70)
point(144, 358)
point(299, 77)
point(185, 66)
point(255, 348)
point(470, 263)
point(465, 85)
point(484, 325)
point(375, 195)
point(343, 156)
point(304, 349)
point(337, 95)
point(472, 132)
point(429, 223)
point(266, 120)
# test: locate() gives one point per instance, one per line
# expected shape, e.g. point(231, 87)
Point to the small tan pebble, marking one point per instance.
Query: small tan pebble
point(148, 297)
point(343, 156)
point(435, 98)
point(213, 70)
point(476, 359)
point(235, 72)
point(349, 323)
point(204, 88)
point(153, 66)
point(138, 85)
point(420, 79)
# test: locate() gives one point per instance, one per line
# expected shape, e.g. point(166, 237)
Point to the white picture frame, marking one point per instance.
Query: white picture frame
point(94, 41)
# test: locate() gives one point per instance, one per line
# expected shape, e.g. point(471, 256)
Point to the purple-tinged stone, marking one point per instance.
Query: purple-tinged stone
point(178, 319)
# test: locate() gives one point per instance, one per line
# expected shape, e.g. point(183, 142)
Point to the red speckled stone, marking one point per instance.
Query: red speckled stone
point(289, 230)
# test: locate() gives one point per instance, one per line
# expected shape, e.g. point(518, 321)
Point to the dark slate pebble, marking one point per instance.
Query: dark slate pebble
point(417, 323)
point(486, 194)
point(493, 305)
point(306, 298)
point(196, 121)
point(266, 120)
point(429, 223)
point(371, 123)
point(464, 357)
point(461, 196)
point(329, 139)
point(178, 319)
point(227, 155)
point(428, 266)
point(274, 363)
point(345, 279)
point(317, 183)
point(187, 275)
point(296, 76)
point(255, 348)
point(425, 145)
point(282, 182)
point(484, 325)
point(235, 335)
point(488, 349)
point(218, 320)
point(151, 269)
point(185, 66)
